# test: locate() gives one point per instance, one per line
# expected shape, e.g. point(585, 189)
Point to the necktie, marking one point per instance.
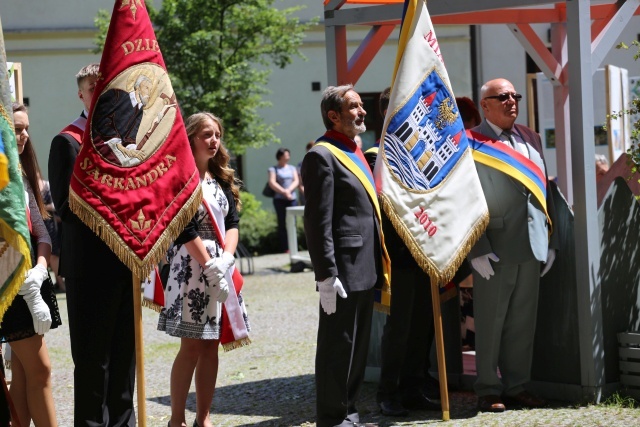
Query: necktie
point(508, 137)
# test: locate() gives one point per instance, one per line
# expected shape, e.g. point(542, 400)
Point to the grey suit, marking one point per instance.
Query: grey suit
point(505, 306)
point(342, 236)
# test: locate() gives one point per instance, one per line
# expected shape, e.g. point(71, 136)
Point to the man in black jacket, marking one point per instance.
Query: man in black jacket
point(345, 244)
point(99, 292)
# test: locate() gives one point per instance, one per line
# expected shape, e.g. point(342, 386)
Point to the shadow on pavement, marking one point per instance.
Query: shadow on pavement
point(290, 401)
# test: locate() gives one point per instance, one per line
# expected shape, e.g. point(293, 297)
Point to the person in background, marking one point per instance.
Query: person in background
point(99, 296)
point(602, 166)
point(301, 199)
point(470, 118)
point(283, 179)
point(346, 248)
point(200, 274)
point(52, 227)
point(407, 337)
point(507, 259)
point(468, 112)
point(35, 309)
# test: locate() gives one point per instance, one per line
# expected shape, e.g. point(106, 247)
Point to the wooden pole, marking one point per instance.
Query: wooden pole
point(442, 366)
point(137, 319)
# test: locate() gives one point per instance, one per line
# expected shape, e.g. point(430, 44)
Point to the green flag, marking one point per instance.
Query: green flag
point(15, 258)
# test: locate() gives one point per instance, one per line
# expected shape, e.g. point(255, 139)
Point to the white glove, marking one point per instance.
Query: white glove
point(483, 266)
point(551, 256)
point(33, 281)
point(219, 266)
point(223, 290)
point(39, 312)
point(328, 289)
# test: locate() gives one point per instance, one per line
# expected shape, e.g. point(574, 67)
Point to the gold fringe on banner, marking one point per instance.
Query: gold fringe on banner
point(151, 305)
point(438, 277)
point(103, 230)
point(19, 244)
point(384, 309)
point(236, 344)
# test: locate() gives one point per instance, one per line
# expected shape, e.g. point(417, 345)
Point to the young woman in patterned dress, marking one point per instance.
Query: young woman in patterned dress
point(34, 310)
point(199, 278)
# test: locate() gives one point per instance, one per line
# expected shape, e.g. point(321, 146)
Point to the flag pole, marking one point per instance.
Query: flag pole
point(137, 320)
point(442, 366)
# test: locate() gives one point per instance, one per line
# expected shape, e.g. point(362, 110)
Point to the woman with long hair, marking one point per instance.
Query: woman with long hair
point(34, 310)
point(199, 282)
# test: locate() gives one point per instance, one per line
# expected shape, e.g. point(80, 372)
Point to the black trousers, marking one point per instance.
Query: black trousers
point(407, 335)
point(103, 348)
point(341, 356)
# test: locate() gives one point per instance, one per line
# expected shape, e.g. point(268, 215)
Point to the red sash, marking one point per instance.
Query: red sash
point(227, 338)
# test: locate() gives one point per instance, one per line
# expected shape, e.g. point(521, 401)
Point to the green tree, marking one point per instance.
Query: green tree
point(219, 55)
point(634, 151)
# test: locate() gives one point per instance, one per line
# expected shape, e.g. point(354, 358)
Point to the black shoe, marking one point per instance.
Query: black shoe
point(195, 423)
point(431, 390)
point(420, 401)
point(392, 408)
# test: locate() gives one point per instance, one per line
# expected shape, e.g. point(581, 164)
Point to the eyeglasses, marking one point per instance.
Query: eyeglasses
point(504, 96)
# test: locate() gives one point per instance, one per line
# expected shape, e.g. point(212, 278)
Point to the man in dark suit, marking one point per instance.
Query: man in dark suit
point(99, 293)
point(407, 338)
point(507, 258)
point(346, 248)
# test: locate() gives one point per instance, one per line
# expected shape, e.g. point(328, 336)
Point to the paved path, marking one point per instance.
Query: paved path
point(270, 383)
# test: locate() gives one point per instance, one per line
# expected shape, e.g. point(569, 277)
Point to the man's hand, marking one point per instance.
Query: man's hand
point(483, 266)
point(551, 256)
point(223, 290)
point(219, 266)
point(328, 289)
point(33, 281)
point(39, 312)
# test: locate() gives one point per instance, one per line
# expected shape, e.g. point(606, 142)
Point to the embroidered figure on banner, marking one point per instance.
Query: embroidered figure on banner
point(133, 115)
point(424, 139)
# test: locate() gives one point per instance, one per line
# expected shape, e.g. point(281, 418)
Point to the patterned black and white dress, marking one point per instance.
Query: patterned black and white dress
point(191, 310)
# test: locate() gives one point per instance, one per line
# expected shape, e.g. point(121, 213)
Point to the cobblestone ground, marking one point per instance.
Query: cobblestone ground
point(270, 382)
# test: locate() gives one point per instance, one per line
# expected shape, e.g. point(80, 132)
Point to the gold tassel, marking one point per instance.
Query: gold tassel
point(384, 309)
point(236, 344)
point(20, 245)
point(151, 305)
point(104, 231)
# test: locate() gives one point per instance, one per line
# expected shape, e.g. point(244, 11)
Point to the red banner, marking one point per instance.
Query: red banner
point(135, 183)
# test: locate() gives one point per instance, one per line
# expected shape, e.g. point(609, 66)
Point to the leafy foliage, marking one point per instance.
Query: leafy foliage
point(258, 227)
point(219, 53)
point(634, 150)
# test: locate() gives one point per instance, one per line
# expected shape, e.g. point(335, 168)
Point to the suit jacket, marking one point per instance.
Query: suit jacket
point(518, 229)
point(82, 252)
point(340, 223)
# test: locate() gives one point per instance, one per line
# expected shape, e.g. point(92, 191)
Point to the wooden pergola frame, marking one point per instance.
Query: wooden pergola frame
point(582, 33)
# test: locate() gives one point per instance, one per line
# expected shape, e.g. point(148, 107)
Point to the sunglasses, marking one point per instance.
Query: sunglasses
point(504, 96)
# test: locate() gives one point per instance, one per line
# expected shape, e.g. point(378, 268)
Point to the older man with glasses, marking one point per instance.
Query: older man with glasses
point(507, 258)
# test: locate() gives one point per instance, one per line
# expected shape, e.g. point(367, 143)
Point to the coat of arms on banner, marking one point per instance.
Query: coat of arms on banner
point(424, 139)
